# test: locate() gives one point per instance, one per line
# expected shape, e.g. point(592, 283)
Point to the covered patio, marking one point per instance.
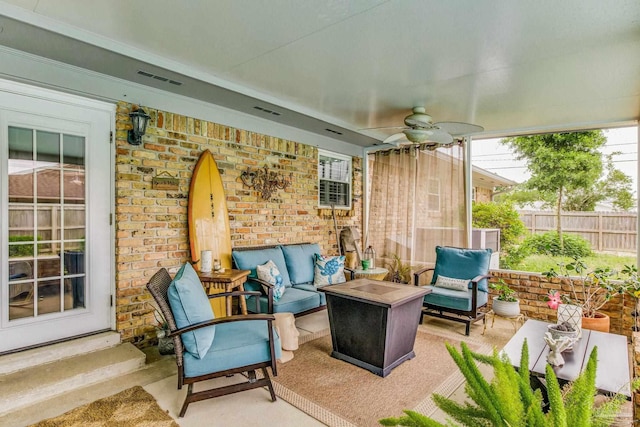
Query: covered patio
point(287, 88)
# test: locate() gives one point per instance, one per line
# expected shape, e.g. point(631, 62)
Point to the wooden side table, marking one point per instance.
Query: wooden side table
point(226, 281)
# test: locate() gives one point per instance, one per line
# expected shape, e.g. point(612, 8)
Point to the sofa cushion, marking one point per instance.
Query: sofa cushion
point(293, 301)
point(236, 344)
point(300, 261)
point(328, 270)
point(462, 263)
point(456, 300)
point(310, 287)
point(190, 305)
point(269, 273)
point(250, 259)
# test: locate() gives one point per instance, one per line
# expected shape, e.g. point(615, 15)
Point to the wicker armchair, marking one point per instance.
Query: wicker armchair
point(255, 331)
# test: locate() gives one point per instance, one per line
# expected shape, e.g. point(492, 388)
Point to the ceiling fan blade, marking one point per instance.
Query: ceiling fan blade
point(384, 127)
point(440, 136)
point(395, 139)
point(459, 128)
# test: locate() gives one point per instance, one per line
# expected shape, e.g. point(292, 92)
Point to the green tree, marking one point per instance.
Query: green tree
point(615, 186)
point(560, 163)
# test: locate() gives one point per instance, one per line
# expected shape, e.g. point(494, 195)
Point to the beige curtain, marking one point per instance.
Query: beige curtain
point(416, 202)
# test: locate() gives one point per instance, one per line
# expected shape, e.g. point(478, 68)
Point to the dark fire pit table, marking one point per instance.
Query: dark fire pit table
point(374, 323)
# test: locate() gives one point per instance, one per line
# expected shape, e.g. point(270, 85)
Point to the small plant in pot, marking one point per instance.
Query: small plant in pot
point(564, 329)
point(505, 304)
point(589, 290)
point(399, 271)
point(165, 343)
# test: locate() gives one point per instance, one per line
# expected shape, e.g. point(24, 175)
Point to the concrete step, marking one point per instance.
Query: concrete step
point(25, 359)
point(38, 383)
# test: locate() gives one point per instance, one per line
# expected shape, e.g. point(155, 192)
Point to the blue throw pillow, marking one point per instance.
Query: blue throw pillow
point(460, 263)
point(329, 270)
point(190, 305)
point(270, 274)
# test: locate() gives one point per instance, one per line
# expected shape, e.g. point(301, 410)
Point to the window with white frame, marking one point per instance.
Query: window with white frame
point(334, 180)
point(433, 194)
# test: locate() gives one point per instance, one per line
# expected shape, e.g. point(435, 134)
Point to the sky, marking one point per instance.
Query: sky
point(489, 154)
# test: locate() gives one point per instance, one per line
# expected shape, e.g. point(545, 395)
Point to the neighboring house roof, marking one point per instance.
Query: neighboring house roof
point(484, 178)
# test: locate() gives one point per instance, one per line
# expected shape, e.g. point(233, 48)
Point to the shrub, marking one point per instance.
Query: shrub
point(549, 244)
point(502, 216)
point(20, 250)
point(512, 258)
point(506, 218)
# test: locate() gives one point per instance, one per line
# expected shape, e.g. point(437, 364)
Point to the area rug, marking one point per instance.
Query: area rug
point(133, 407)
point(340, 394)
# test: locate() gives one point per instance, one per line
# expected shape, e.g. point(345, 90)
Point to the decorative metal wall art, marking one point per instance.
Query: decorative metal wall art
point(265, 181)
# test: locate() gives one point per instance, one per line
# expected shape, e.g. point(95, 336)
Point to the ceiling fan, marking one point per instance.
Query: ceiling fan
point(419, 128)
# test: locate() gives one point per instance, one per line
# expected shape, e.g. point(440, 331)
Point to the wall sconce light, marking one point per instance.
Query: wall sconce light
point(264, 181)
point(139, 118)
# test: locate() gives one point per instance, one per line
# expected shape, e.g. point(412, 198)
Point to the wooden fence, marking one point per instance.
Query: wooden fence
point(607, 231)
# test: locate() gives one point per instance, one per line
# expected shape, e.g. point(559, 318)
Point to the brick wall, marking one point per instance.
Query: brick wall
point(151, 225)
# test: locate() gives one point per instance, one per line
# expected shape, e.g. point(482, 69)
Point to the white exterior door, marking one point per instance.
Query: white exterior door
point(56, 186)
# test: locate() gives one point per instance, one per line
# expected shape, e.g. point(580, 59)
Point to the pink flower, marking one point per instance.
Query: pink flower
point(553, 299)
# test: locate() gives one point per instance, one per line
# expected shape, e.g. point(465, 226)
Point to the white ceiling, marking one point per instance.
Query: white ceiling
point(510, 66)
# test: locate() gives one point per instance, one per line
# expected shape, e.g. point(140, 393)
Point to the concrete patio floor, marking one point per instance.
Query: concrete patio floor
point(250, 408)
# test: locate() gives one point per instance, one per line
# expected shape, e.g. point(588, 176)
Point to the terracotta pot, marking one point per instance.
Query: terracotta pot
point(598, 323)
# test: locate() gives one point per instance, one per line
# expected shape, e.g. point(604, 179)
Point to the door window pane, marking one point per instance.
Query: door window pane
point(46, 222)
point(48, 296)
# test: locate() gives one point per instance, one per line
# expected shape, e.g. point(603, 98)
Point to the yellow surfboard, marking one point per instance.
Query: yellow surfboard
point(209, 219)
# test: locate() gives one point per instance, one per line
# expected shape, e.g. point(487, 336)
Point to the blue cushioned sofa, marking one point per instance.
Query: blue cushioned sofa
point(296, 264)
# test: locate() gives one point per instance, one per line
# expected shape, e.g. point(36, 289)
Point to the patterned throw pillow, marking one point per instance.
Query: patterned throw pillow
point(453, 284)
point(269, 273)
point(328, 270)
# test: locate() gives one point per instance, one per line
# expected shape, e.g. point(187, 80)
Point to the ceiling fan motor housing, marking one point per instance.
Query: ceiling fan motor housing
point(419, 118)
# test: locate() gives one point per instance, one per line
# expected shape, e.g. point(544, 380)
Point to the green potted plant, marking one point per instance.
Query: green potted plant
point(399, 271)
point(510, 400)
point(165, 343)
point(505, 304)
point(589, 290)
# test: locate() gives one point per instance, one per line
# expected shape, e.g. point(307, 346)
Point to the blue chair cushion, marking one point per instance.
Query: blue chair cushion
point(456, 300)
point(310, 287)
point(293, 301)
point(300, 261)
point(250, 259)
point(190, 305)
point(460, 263)
point(237, 344)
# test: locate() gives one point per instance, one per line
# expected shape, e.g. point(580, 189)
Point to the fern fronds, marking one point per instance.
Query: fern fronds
point(557, 416)
point(410, 419)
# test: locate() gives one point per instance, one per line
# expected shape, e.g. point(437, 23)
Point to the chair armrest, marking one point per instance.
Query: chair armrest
point(234, 294)
point(269, 287)
point(480, 277)
point(351, 272)
point(220, 320)
point(417, 274)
